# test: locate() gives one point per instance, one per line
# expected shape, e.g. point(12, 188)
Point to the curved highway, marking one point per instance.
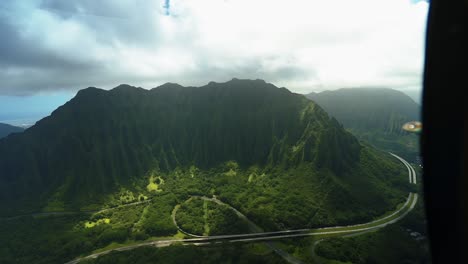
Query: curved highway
point(268, 236)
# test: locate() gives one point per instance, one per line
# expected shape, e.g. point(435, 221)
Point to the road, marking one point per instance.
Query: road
point(255, 229)
point(265, 236)
point(285, 234)
point(411, 171)
point(412, 180)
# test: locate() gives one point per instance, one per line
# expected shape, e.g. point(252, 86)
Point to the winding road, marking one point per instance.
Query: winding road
point(285, 234)
point(411, 172)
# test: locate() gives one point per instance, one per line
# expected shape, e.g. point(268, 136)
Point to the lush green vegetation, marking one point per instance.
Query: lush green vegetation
point(156, 219)
point(392, 244)
point(222, 220)
point(308, 197)
point(396, 243)
point(272, 198)
point(191, 217)
point(32, 239)
point(205, 217)
point(252, 253)
point(375, 116)
point(130, 156)
point(305, 196)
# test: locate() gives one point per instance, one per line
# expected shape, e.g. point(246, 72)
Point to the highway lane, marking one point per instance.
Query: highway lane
point(354, 230)
point(268, 236)
point(255, 229)
point(292, 231)
point(410, 178)
point(411, 171)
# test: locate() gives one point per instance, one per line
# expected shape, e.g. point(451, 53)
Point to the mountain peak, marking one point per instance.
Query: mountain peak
point(90, 91)
point(126, 88)
point(169, 85)
point(123, 86)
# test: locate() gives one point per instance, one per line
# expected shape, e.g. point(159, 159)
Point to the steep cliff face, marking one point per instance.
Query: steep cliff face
point(103, 139)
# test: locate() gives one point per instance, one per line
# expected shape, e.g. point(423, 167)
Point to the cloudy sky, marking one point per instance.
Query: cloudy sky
point(55, 46)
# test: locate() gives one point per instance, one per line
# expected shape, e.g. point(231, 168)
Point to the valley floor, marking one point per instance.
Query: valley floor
point(268, 243)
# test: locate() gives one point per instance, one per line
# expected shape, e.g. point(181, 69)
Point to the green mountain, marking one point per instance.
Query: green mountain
point(273, 155)
point(6, 129)
point(104, 142)
point(375, 115)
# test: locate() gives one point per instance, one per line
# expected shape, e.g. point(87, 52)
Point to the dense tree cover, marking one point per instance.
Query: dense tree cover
point(223, 220)
point(45, 240)
point(215, 254)
point(273, 198)
point(392, 244)
point(156, 219)
point(375, 115)
point(6, 129)
point(57, 239)
point(191, 217)
point(337, 150)
point(307, 196)
point(203, 217)
point(304, 196)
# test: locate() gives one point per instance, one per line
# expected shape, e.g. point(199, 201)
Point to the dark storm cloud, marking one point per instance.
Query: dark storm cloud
point(126, 21)
point(18, 51)
point(30, 61)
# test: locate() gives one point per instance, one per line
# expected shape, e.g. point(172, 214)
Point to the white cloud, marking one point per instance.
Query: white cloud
point(302, 45)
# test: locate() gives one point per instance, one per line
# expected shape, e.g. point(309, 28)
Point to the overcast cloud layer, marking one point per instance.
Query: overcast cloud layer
point(306, 46)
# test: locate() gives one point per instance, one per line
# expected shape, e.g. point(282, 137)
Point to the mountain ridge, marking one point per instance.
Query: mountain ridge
point(245, 141)
point(6, 129)
point(375, 115)
point(130, 115)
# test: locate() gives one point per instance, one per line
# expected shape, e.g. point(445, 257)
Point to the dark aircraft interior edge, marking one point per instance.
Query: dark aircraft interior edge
point(444, 144)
